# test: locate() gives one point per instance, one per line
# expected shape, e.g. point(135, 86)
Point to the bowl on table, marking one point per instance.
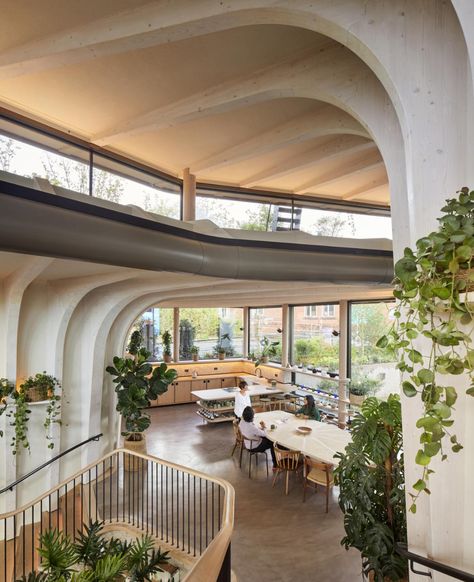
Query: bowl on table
point(305, 430)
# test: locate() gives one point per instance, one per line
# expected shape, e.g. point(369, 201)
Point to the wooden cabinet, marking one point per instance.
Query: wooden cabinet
point(168, 396)
point(197, 385)
point(228, 382)
point(182, 392)
point(213, 383)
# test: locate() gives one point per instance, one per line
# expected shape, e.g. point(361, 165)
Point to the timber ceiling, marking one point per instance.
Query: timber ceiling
point(245, 106)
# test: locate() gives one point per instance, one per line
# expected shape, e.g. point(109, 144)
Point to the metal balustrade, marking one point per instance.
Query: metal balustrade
point(187, 511)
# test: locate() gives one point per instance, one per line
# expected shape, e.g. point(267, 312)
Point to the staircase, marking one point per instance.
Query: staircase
point(187, 512)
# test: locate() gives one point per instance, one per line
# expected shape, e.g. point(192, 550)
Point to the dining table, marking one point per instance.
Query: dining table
point(321, 443)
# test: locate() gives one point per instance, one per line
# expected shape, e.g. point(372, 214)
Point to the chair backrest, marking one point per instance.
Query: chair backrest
point(249, 444)
point(286, 459)
point(320, 466)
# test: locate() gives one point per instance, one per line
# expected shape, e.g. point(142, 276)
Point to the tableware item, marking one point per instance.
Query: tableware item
point(304, 430)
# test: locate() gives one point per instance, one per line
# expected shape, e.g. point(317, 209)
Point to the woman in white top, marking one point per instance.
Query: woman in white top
point(242, 399)
point(253, 433)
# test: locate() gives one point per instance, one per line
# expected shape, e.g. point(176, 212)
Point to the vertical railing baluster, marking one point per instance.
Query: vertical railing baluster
point(89, 516)
point(207, 515)
point(161, 512)
point(5, 553)
point(110, 489)
point(167, 508)
point(152, 498)
point(103, 514)
point(177, 509)
point(189, 512)
point(82, 501)
point(32, 538)
point(194, 520)
point(212, 509)
point(117, 476)
point(14, 548)
point(147, 500)
point(74, 509)
point(183, 512)
point(200, 515)
point(65, 512)
point(23, 544)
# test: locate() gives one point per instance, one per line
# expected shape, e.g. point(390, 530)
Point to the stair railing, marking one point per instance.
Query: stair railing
point(188, 511)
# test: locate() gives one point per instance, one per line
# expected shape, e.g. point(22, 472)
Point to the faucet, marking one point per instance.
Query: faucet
point(258, 372)
point(194, 373)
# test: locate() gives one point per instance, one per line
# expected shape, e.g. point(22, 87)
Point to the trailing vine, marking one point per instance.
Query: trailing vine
point(40, 387)
point(6, 390)
point(433, 327)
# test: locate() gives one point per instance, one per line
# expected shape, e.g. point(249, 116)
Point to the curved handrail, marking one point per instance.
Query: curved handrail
point(208, 565)
point(432, 565)
point(49, 462)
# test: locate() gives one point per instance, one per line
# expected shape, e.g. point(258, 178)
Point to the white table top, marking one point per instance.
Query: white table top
point(229, 393)
point(321, 444)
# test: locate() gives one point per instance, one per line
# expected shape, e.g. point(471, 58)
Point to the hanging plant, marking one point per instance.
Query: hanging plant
point(38, 388)
point(433, 327)
point(6, 391)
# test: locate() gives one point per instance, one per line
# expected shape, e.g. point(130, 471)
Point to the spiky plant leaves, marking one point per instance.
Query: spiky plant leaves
point(58, 554)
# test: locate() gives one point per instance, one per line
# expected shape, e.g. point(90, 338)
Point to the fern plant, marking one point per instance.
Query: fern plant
point(371, 478)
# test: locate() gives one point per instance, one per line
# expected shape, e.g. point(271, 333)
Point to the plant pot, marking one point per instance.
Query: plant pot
point(221, 356)
point(167, 358)
point(356, 399)
point(134, 463)
point(264, 359)
point(371, 578)
point(195, 357)
point(38, 394)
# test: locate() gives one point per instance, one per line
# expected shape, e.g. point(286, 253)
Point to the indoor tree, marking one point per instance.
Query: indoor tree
point(137, 382)
point(371, 479)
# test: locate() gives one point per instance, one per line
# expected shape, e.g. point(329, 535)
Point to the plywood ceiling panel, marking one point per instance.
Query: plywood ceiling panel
point(219, 102)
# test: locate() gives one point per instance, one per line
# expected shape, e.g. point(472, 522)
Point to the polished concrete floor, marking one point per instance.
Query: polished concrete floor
point(277, 537)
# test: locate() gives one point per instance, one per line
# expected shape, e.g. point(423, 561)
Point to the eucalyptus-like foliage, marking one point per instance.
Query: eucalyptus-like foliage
point(433, 329)
point(370, 475)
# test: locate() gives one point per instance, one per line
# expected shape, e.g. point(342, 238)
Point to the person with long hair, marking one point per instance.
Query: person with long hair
point(309, 409)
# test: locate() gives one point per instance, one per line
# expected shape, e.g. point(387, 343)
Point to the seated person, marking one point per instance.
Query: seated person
point(252, 432)
point(242, 399)
point(309, 409)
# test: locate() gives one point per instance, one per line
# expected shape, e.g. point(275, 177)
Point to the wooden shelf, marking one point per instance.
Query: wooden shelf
point(219, 409)
point(319, 376)
point(214, 420)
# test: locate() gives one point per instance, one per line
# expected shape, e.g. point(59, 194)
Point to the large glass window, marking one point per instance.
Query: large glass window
point(29, 153)
point(369, 365)
point(265, 322)
point(208, 329)
point(344, 224)
point(118, 183)
point(315, 341)
point(152, 324)
point(20, 155)
point(235, 213)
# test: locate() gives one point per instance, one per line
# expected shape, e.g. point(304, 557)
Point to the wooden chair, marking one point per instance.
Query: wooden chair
point(287, 462)
point(265, 404)
point(318, 473)
point(239, 441)
point(255, 454)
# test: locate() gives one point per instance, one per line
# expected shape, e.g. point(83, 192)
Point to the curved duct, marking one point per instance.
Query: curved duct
point(40, 223)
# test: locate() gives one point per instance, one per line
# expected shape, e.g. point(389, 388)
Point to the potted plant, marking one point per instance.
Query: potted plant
point(219, 348)
point(268, 350)
point(166, 339)
point(432, 330)
point(136, 384)
point(195, 353)
point(40, 387)
point(95, 556)
point(371, 480)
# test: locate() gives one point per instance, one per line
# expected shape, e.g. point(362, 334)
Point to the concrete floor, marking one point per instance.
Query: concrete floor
point(276, 538)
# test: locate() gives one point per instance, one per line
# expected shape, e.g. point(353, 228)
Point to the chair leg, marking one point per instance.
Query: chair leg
point(233, 450)
point(287, 479)
point(241, 453)
point(250, 464)
point(277, 472)
point(266, 462)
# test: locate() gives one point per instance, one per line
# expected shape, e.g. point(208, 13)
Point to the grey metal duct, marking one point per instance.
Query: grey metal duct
point(39, 223)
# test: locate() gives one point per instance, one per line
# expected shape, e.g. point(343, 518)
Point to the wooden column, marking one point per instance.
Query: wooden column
point(189, 195)
point(285, 335)
point(246, 331)
point(176, 334)
point(343, 342)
